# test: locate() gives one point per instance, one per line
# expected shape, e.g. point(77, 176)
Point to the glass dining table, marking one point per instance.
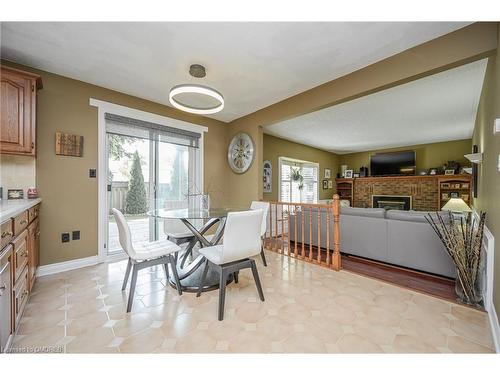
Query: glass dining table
point(199, 222)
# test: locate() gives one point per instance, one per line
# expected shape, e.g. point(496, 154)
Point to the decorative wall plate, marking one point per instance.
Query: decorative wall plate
point(241, 153)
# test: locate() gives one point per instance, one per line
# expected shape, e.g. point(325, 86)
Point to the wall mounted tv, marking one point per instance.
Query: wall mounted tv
point(393, 163)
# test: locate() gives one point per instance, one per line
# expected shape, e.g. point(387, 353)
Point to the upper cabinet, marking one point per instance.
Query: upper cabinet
point(18, 111)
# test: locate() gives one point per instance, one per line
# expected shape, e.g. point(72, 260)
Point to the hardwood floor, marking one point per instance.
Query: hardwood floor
point(434, 285)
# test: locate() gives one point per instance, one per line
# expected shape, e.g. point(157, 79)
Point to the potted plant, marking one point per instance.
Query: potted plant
point(462, 239)
point(297, 177)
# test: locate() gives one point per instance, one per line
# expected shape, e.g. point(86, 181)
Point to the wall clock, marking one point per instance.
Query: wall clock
point(241, 153)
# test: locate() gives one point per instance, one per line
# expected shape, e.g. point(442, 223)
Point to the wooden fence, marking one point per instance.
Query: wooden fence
point(310, 232)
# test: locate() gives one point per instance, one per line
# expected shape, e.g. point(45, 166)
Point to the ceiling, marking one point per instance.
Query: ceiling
point(252, 64)
point(437, 108)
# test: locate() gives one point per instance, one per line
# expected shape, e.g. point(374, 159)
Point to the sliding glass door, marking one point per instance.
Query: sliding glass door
point(149, 167)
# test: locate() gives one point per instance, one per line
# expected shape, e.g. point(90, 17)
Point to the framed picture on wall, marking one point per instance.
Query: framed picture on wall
point(330, 184)
point(328, 173)
point(267, 177)
point(325, 184)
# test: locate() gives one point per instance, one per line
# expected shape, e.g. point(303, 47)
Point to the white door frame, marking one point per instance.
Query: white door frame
point(104, 107)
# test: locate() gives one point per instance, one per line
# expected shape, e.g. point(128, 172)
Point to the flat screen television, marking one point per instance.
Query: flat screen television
point(393, 163)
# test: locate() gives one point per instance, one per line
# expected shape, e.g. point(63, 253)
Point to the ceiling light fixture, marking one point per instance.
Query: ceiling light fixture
point(188, 97)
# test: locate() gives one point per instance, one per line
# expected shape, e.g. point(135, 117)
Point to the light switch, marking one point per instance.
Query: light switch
point(496, 126)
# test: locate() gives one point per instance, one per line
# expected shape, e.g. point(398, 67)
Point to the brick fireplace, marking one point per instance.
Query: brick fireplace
point(423, 190)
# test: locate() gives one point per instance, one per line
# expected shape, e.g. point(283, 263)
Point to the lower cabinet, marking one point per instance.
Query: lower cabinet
point(5, 297)
point(18, 264)
point(33, 251)
point(20, 297)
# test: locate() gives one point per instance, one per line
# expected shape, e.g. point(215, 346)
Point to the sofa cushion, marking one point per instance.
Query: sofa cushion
point(366, 212)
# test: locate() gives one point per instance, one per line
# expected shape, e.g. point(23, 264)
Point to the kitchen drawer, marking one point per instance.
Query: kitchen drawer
point(20, 254)
point(6, 232)
point(33, 212)
point(20, 295)
point(20, 222)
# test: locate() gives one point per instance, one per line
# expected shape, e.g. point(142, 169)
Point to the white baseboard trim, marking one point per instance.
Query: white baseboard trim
point(51, 269)
point(495, 327)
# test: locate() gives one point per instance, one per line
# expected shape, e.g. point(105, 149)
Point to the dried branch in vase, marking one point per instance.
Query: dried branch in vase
point(462, 240)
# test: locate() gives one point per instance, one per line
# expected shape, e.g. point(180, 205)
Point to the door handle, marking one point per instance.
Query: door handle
point(2, 288)
point(109, 187)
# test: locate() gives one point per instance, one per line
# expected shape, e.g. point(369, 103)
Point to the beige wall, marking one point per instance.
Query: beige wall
point(69, 195)
point(274, 147)
point(488, 199)
point(427, 156)
point(462, 46)
point(17, 172)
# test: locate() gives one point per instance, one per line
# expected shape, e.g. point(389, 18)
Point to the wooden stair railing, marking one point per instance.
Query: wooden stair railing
point(277, 237)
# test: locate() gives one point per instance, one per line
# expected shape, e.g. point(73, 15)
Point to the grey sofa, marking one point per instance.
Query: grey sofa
point(402, 238)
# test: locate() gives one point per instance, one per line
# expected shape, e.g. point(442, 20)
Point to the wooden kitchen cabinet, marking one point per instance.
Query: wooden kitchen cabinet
point(33, 251)
point(6, 325)
point(19, 258)
point(18, 107)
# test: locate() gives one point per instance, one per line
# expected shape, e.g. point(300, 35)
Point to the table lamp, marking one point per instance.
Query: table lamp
point(456, 205)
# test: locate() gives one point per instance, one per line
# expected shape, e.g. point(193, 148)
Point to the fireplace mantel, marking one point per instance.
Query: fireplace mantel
point(424, 190)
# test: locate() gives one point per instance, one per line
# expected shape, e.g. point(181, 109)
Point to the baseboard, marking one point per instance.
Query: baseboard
point(51, 269)
point(495, 327)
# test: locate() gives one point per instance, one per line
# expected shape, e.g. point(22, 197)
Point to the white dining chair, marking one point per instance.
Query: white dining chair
point(242, 241)
point(264, 206)
point(144, 255)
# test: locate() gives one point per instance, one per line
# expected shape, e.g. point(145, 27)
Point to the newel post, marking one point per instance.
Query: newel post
point(336, 233)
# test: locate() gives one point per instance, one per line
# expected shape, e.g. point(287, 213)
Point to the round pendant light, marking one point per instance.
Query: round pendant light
point(198, 99)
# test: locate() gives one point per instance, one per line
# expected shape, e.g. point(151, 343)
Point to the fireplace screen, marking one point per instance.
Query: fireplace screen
point(392, 202)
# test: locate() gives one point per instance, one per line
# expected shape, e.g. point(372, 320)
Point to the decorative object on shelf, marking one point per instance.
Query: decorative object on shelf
point(267, 177)
point(330, 184)
point(363, 171)
point(467, 170)
point(355, 175)
point(422, 172)
point(325, 184)
point(297, 177)
point(32, 193)
point(465, 197)
point(463, 242)
point(343, 169)
point(454, 194)
point(452, 164)
point(449, 171)
point(445, 196)
point(241, 153)
point(465, 185)
point(433, 171)
point(328, 173)
point(445, 185)
point(182, 96)
point(15, 194)
point(69, 144)
point(349, 173)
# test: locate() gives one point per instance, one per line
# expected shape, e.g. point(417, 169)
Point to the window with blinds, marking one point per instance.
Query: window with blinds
point(297, 191)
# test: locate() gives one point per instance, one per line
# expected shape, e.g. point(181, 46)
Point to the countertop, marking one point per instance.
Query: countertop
point(13, 207)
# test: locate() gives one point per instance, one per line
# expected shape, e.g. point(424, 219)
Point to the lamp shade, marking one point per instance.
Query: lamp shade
point(456, 205)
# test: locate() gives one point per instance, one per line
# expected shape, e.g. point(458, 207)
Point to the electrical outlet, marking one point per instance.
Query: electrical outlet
point(75, 235)
point(65, 237)
point(92, 173)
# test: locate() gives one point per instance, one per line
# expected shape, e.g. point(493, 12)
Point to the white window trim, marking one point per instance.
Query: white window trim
point(281, 159)
point(104, 107)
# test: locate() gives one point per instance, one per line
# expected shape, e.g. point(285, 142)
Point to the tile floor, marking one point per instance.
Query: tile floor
point(308, 309)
